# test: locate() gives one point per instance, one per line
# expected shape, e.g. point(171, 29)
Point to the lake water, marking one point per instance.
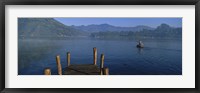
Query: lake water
point(158, 57)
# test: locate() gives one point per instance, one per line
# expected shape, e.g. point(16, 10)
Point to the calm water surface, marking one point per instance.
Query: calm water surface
point(159, 57)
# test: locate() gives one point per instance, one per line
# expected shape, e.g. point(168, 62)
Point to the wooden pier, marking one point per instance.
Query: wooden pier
point(87, 69)
point(81, 69)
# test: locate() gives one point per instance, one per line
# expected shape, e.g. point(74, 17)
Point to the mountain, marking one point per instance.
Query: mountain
point(44, 28)
point(51, 28)
point(163, 31)
point(107, 27)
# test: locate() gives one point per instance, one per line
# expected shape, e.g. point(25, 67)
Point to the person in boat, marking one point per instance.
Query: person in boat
point(140, 45)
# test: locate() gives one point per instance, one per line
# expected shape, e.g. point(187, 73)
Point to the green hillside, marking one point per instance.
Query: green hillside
point(45, 28)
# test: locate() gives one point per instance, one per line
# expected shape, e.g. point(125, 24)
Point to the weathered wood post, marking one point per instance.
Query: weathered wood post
point(102, 63)
point(105, 71)
point(59, 65)
point(47, 71)
point(68, 59)
point(95, 55)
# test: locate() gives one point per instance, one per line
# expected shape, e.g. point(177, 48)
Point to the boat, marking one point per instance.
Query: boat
point(140, 45)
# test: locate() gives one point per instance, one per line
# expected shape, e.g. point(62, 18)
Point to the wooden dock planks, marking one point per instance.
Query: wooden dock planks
point(82, 69)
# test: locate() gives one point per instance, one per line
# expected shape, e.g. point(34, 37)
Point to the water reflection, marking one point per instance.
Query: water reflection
point(140, 50)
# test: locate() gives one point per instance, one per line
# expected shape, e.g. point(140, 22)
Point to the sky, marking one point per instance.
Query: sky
point(123, 22)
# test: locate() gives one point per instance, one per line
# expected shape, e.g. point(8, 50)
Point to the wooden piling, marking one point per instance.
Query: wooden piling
point(68, 59)
point(47, 71)
point(95, 55)
point(105, 71)
point(59, 65)
point(102, 63)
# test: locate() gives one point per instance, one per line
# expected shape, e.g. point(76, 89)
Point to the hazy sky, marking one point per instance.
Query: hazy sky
point(124, 22)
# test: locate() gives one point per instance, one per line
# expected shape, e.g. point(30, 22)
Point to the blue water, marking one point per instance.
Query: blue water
point(158, 57)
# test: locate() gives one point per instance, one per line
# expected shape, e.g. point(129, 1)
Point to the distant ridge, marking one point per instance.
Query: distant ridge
point(51, 28)
point(44, 27)
point(107, 27)
point(164, 31)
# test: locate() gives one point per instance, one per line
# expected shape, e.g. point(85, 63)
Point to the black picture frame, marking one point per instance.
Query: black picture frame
point(99, 2)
